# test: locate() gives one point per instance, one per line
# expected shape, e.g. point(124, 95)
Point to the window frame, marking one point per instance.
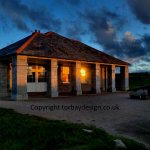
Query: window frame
point(33, 74)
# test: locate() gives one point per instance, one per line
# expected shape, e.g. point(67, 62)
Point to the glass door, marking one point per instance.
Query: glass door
point(36, 79)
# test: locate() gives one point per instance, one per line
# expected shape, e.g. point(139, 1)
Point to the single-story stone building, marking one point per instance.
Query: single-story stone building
point(51, 64)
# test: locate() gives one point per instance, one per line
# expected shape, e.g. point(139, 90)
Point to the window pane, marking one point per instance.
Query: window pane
point(33, 67)
point(41, 76)
point(65, 74)
point(30, 74)
point(41, 69)
point(31, 77)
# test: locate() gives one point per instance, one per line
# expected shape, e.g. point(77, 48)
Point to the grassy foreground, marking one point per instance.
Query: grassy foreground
point(24, 132)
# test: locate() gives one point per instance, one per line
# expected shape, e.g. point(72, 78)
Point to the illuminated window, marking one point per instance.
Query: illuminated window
point(30, 74)
point(65, 74)
point(41, 74)
point(83, 75)
point(36, 73)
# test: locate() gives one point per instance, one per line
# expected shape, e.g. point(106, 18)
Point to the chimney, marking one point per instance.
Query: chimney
point(36, 31)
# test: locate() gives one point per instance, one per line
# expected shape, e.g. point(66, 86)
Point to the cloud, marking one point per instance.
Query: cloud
point(128, 37)
point(75, 31)
point(69, 2)
point(147, 59)
point(73, 2)
point(132, 47)
point(19, 13)
point(103, 26)
point(4, 25)
point(109, 14)
point(142, 64)
point(141, 9)
point(100, 24)
point(146, 41)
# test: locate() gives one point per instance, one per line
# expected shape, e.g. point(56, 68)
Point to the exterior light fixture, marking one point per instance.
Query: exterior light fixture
point(83, 72)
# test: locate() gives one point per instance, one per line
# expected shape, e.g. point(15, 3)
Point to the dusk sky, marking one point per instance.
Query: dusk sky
point(117, 27)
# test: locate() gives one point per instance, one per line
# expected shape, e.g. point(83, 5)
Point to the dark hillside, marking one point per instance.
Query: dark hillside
point(138, 79)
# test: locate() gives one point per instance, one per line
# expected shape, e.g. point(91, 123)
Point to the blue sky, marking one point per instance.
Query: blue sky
point(118, 27)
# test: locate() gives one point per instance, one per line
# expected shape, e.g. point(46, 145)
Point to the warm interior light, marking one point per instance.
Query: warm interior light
point(65, 74)
point(83, 72)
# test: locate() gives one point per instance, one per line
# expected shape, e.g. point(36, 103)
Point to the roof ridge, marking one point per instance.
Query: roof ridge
point(20, 49)
point(49, 33)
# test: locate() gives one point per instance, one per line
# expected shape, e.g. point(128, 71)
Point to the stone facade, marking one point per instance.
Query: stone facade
point(3, 79)
point(113, 79)
point(124, 78)
point(19, 78)
point(104, 77)
point(99, 77)
point(54, 78)
point(98, 82)
point(78, 78)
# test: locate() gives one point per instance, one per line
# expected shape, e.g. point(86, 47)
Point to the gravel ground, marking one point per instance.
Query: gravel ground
point(114, 112)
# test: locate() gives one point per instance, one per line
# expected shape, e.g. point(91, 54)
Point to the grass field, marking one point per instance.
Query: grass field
point(138, 80)
point(24, 132)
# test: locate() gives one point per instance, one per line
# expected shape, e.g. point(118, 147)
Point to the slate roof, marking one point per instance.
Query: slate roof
point(53, 45)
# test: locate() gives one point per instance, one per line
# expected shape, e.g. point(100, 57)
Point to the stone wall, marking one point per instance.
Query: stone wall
point(3, 79)
point(19, 78)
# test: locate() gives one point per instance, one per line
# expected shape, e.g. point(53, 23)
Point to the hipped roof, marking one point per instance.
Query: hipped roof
point(53, 45)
